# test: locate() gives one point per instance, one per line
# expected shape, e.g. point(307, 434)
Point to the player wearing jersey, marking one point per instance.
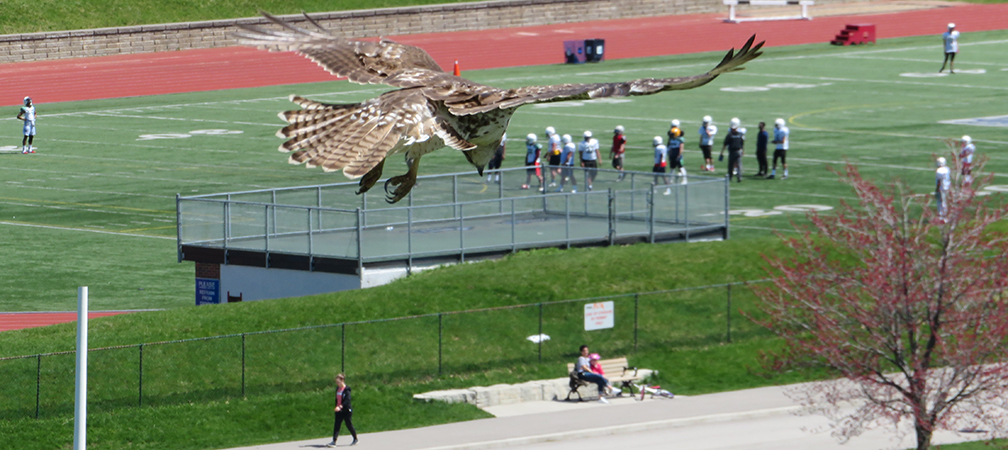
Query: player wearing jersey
point(675, 151)
point(660, 161)
point(588, 149)
point(707, 132)
point(734, 141)
point(618, 150)
point(950, 39)
point(493, 167)
point(532, 151)
point(943, 185)
point(28, 115)
point(553, 150)
point(761, 150)
point(966, 159)
point(567, 164)
point(781, 136)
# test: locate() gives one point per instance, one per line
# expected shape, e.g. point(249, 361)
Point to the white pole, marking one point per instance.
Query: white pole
point(80, 387)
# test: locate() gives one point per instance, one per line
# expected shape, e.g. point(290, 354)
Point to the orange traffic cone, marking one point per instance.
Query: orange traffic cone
point(457, 72)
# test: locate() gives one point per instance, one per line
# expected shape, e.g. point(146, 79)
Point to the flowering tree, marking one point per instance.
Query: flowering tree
point(907, 307)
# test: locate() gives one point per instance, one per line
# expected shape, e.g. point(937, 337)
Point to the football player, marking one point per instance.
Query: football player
point(966, 159)
point(554, 148)
point(781, 135)
point(618, 150)
point(28, 115)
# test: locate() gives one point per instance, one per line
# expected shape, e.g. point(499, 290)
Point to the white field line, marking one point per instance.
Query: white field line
point(51, 227)
point(183, 119)
point(929, 61)
point(133, 177)
point(101, 211)
point(178, 165)
point(90, 191)
point(864, 80)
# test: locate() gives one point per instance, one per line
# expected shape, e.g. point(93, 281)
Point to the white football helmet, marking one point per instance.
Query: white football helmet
point(734, 122)
point(951, 26)
point(779, 123)
point(940, 162)
point(27, 100)
point(567, 139)
point(550, 131)
point(587, 135)
point(656, 141)
point(619, 129)
point(707, 119)
point(675, 123)
point(712, 130)
point(531, 138)
point(966, 139)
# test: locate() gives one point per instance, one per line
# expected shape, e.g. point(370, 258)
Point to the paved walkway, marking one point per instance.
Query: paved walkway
point(747, 419)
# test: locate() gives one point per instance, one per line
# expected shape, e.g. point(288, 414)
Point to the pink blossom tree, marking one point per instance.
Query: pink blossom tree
point(906, 307)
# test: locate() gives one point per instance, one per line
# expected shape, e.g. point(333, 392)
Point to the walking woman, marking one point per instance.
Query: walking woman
point(344, 410)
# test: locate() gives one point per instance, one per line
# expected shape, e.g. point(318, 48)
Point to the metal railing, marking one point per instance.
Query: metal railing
point(452, 214)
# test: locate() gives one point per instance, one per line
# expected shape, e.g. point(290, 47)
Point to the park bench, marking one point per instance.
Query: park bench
point(617, 370)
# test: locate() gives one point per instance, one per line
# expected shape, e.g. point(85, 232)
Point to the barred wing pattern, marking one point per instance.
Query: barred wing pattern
point(364, 62)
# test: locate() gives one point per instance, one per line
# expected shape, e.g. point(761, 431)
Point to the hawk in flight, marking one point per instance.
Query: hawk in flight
point(431, 109)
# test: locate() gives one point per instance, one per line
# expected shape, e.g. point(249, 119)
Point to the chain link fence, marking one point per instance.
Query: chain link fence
point(429, 345)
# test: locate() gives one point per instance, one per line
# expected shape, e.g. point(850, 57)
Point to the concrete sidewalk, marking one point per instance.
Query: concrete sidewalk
point(547, 421)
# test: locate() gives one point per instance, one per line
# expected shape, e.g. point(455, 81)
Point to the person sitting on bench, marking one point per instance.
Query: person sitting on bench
point(583, 369)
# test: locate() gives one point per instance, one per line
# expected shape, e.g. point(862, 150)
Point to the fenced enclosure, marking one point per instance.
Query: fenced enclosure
point(405, 348)
point(452, 215)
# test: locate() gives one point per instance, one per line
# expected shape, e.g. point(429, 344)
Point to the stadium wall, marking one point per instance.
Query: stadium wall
point(357, 24)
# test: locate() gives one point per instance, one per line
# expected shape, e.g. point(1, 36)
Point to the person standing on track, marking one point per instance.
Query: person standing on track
point(28, 115)
point(781, 135)
point(951, 40)
point(589, 151)
point(343, 411)
point(618, 150)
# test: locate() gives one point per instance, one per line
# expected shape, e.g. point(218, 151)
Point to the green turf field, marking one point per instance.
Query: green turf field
point(95, 206)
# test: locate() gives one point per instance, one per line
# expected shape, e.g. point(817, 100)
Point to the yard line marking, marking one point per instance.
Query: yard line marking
point(929, 61)
point(90, 191)
point(64, 208)
point(862, 80)
point(53, 227)
point(145, 178)
point(91, 205)
point(179, 119)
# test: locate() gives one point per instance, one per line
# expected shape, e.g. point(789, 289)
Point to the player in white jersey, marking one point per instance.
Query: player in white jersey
point(28, 115)
point(781, 136)
point(966, 159)
point(660, 162)
point(943, 184)
point(553, 150)
point(567, 164)
point(589, 151)
point(951, 43)
point(707, 132)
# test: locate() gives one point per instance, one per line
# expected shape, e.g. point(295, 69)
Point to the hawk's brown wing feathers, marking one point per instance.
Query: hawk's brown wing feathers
point(514, 98)
point(351, 137)
point(365, 62)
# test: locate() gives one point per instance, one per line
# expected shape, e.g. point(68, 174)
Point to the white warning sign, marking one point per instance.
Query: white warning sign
point(599, 316)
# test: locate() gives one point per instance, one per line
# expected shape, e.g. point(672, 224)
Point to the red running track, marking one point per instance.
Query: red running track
point(237, 67)
point(17, 321)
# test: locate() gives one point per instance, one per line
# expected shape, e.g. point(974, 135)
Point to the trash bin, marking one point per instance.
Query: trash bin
point(594, 50)
point(574, 52)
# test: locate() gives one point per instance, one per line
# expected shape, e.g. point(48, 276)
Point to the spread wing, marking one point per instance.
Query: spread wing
point(489, 99)
point(364, 62)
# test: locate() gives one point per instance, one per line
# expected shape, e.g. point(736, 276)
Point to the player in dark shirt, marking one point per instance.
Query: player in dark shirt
point(762, 138)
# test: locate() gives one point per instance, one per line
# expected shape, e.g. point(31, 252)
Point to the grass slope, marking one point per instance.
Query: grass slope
point(29, 16)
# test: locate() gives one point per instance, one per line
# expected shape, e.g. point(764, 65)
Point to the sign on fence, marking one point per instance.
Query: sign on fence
point(599, 316)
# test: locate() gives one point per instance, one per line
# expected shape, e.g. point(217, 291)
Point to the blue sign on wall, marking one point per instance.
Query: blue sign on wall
point(207, 291)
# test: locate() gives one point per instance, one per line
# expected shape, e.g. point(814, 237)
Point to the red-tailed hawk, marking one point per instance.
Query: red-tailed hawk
point(431, 109)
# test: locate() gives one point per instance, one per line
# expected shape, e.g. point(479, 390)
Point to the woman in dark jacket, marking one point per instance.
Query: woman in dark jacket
point(343, 410)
